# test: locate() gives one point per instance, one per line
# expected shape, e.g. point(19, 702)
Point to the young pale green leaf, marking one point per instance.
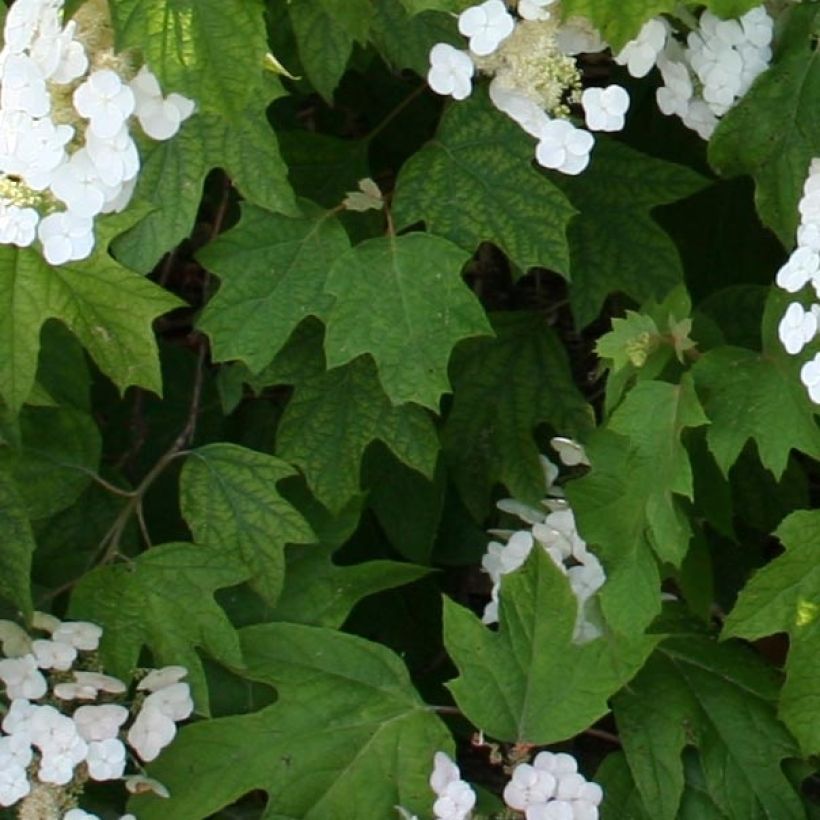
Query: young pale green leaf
point(719, 698)
point(229, 498)
point(774, 132)
point(109, 308)
point(403, 301)
point(273, 270)
point(528, 682)
point(348, 738)
point(191, 48)
point(474, 183)
point(17, 547)
point(615, 244)
point(163, 600)
point(630, 341)
point(783, 597)
point(504, 388)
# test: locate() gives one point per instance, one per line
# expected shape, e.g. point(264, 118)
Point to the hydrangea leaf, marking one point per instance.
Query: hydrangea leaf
point(773, 133)
point(163, 600)
point(721, 699)
point(354, 16)
point(629, 342)
point(17, 546)
point(188, 46)
point(474, 183)
point(615, 244)
point(419, 6)
point(424, 308)
point(173, 174)
point(513, 683)
point(109, 308)
point(273, 270)
point(782, 597)
point(229, 498)
point(349, 737)
point(504, 388)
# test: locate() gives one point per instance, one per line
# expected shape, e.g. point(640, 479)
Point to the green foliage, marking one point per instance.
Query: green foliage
point(18, 546)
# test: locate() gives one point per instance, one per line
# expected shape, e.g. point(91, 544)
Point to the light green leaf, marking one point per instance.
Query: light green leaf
point(17, 547)
point(719, 698)
point(273, 270)
point(528, 682)
point(630, 341)
point(403, 301)
point(474, 183)
point(354, 16)
point(229, 498)
point(348, 738)
point(188, 45)
point(615, 244)
point(163, 600)
point(504, 388)
point(783, 597)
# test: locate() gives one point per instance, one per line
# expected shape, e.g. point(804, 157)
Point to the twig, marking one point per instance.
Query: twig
point(413, 95)
point(601, 734)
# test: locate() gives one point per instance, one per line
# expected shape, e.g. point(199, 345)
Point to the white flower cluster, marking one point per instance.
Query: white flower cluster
point(534, 77)
point(551, 788)
point(552, 528)
point(705, 77)
point(799, 326)
point(47, 740)
point(454, 797)
point(67, 104)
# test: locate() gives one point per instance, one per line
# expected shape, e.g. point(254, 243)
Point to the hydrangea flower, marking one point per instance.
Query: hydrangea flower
point(797, 328)
point(564, 147)
point(486, 25)
point(640, 55)
point(451, 71)
point(605, 107)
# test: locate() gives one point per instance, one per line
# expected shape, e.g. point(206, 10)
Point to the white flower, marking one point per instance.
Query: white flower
point(674, 95)
point(160, 678)
point(581, 810)
point(700, 118)
point(80, 634)
point(45, 621)
point(605, 107)
point(65, 237)
point(569, 786)
point(18, 718)
point(21, 26)
point(455, 802)
point(518, 107)
point(79, 186)
point(534, 9)
point(139, 784)
point(451, 71)
point(587, 578)
point(808, 236)
point(173, 701)
point(23, 87)
point(444, 772)
point(106, 759)
point(53, 654)
point(556, 764)
point(639, 55)
point(105, 101)
point(103, 683)
point(810, 376)
point(100, 722)
point(73, 691)
point(801, 267)
point(18, 226)
point(554, 810)
point(79, 814)
point(528, 786)
point(797, 328)
point(159, 117)
point(757, 27)
point(14, 640)
point(15, 750)
point(564, 147)
point(14, 784)
point(578, 36)
point(22, 678)
point(150, 733)
point(487, 25)
point(569, 451)
point(115, 159)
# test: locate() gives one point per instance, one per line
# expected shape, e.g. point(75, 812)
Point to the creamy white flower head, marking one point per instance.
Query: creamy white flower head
point(101, 722)
point(54, 655)
point(797, 328)
point(605, 107)
point(160, 678)
point(528, 786)
point(534, 9)
point(106, 759)
point(487, 25)
point(22, 678)
point(518, 107)
point(150, 733)
point(66, 237)
point(14, 784)
point(455, 802)
point(105, 101)
point(639, 55)
point(801, 267)
point(564, 147)
point(451, 71)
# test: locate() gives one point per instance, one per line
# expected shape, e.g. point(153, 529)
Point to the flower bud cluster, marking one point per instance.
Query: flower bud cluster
point(65, 723)
point(799, 325)
point(67, 107)
point(551, 528)
point(535, 78)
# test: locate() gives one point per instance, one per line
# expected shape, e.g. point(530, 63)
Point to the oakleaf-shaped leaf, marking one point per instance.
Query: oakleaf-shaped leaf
point(783, 597)
point(163, 600)
point(273, 270)
point(474, 183)
point(348, 738)
point(630, 341)
point(504, 388)
point(403, 301)
point(615, 244)
point(17, 547)
point(229, 498)
point(528, 682)
point(719, 698)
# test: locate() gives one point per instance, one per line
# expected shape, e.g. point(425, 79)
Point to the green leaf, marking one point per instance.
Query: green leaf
point(773, 133)
point(354, 16)
point(108, 307)
point(474, 183)
point(163, 600)
point(630, 341)
point(403, 301)
point(782, 597)
point(229, 498)
point(615, 244)
point(173, 174)
point(528, 682)
point(273, 270)
point(348, 738)
point(188, 45)
point(719, 698)
point(17, 547)
point(504, 388)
